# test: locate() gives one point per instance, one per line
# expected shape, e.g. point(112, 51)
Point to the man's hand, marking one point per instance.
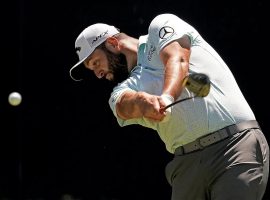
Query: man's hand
point(166, 100)
point(150, 106)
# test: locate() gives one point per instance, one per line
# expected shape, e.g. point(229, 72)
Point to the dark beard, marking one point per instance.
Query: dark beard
point(118, 66)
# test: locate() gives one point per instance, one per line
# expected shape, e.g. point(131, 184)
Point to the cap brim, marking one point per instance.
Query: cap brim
point(74, 71)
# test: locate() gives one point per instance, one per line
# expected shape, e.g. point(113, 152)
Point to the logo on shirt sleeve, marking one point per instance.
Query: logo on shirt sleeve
point(166, 32)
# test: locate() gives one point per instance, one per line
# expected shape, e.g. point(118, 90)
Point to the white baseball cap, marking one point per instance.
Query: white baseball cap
point(88, 40)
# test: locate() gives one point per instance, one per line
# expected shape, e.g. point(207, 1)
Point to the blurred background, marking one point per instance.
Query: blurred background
point(62, 141)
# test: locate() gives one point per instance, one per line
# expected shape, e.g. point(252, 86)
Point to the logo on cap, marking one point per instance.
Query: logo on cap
point(78, 49)
point(100, 36)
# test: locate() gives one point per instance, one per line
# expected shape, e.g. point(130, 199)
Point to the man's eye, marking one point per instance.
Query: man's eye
point(96, 63)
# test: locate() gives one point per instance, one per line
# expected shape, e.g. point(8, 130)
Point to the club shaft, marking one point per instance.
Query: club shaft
point(178, 101)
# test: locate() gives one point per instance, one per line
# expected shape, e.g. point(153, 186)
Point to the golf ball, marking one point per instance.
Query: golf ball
point(14, 98)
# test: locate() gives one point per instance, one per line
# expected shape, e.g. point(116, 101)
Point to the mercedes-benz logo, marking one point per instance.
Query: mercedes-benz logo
point(165, 32)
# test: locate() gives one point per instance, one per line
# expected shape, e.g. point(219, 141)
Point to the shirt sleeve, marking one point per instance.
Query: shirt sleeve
point(166, 28)
point(130, 84)
point(115, 97)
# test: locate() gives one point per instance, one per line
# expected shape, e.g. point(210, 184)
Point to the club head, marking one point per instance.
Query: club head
point(199, 84)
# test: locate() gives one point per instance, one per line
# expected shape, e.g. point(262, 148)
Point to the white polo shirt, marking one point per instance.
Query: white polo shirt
point(225, 104)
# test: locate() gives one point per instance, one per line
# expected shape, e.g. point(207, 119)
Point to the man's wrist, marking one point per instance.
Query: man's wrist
point(168, 99)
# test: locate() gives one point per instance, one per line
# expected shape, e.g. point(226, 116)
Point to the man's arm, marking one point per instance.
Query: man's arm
point(139, 104)
point(175, 57)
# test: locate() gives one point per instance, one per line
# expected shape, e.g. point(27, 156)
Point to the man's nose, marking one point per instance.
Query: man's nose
point(99, 73)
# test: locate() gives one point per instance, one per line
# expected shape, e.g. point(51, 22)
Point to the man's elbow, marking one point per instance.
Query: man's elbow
point(126, 112)
point(121, 112)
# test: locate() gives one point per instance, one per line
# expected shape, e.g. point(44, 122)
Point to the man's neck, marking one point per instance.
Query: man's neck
point(130, 51)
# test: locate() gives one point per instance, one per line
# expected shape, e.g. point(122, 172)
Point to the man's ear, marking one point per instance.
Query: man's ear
point(112, 44)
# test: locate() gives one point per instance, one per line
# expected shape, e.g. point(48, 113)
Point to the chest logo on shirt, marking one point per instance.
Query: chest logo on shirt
point(150, 52)
point(166, 32)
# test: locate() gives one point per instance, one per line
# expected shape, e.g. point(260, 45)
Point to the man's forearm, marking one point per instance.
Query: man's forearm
point(175, 57)
point(139, 104)
point(127, 107)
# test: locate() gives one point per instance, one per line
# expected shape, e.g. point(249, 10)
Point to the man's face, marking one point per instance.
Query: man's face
point(108, 65)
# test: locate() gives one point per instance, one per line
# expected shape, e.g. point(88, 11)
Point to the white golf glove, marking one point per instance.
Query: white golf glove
point(168, 99)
